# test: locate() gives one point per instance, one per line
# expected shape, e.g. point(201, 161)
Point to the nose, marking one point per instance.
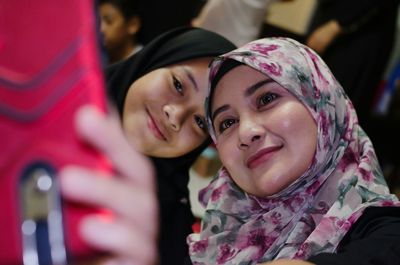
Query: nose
point(250, 132)
point(174, 115)
point(102, 26)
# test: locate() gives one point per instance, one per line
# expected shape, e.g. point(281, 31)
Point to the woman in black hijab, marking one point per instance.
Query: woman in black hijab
point(159, 93)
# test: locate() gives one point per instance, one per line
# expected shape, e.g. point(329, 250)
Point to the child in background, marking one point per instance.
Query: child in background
point(120, 24)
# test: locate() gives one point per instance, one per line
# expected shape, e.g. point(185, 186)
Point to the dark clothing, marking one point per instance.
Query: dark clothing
point(373, 239)
point(172, 47)
point(159, 16)
point(358, 57)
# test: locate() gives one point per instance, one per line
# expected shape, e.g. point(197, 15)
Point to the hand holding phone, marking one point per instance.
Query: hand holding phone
point(129, 236)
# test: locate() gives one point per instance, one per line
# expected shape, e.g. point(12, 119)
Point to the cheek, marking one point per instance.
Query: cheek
point(302, 136)
point(229, 156)
point(144, 89)
point(117, 34)
point(295, 121)
point(131, 100)
point(187, 140)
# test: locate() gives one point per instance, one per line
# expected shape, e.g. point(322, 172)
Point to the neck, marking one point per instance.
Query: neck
point(122, 52)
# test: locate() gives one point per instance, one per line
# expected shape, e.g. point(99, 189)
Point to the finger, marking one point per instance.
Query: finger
point(119, 238)
point(119, 261)
point(116, 194)
point(106, 135)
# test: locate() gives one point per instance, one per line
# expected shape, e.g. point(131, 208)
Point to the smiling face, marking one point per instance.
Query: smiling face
point(118, 31)
point(266, 138)
point(163, 114)
point(113, 26)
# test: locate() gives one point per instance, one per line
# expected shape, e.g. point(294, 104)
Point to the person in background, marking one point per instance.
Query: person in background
point(238, 20)
point(300, 182)
point(159, 94)
point(363, 30)
point(120, 24)
point(159, 16)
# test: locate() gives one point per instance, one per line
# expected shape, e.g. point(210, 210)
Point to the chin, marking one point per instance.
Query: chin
point(157, 151)
point(270, 188)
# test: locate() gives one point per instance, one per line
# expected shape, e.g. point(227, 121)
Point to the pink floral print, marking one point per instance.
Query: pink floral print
point(314, 213)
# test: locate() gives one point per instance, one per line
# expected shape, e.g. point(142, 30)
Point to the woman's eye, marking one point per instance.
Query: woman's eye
point(225, 124)
point(200, 122)
point(267, 98)
point(178, 85)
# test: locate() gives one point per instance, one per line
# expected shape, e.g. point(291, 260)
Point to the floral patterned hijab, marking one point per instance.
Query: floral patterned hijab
point(314, 213)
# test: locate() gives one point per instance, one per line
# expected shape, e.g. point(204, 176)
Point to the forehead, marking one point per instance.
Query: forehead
point(200, 63)
point(235, 82)
point(109, 8)
point(244, 82)
point(195, 70)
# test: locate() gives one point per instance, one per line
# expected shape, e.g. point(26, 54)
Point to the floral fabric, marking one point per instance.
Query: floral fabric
point(314, 213)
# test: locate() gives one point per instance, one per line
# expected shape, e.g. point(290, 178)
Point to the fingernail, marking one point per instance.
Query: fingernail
point(73, 181)
point(94, 227)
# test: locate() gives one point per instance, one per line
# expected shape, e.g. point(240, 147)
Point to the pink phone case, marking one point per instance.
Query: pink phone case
point(49, 67)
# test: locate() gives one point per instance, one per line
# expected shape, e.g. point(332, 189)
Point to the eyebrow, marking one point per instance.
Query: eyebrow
point(191, 78)
point(253, 88)
point(219, 110)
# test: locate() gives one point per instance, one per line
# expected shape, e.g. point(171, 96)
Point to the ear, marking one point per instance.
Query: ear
point(134, 25)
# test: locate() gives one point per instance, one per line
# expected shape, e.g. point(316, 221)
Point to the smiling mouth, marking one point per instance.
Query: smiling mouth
point(154, 128)
point(262, 156)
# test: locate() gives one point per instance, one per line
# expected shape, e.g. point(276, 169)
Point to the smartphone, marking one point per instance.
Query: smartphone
point(49, 67)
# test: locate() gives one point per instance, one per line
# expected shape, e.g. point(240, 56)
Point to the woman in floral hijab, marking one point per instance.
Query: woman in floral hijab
point(299, 172)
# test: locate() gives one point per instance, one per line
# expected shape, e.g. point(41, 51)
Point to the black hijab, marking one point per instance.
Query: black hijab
point(172, 47)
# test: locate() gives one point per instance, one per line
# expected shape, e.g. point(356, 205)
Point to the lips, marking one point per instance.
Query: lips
point(262, 156)
point(156, 128)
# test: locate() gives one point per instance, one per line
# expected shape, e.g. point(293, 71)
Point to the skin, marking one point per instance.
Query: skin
point(163, 115)
point(324, 36)
point(259, 131)
point(118, 32)
point(130, 237)
point(131, 234)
